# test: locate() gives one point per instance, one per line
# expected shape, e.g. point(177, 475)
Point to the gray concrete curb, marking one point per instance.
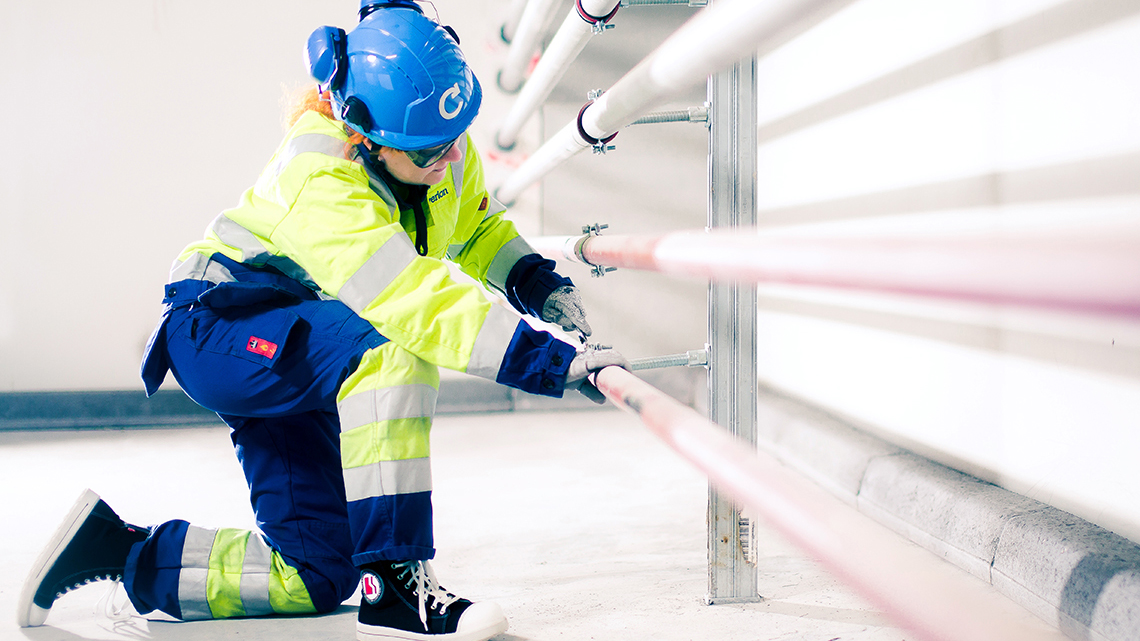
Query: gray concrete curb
point(1071, 573)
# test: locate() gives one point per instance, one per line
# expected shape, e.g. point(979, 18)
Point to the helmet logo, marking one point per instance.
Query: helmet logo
point(453, 92)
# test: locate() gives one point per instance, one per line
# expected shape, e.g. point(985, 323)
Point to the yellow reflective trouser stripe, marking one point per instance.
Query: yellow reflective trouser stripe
point(223, 585)
point(232, 573)
point(386, 408)
point(287, 592)
point(394, 440)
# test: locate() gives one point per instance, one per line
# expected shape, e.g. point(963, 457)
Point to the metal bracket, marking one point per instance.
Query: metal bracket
point(597, 271)
point(598, 24)
point(600, 146)
point(600, 27)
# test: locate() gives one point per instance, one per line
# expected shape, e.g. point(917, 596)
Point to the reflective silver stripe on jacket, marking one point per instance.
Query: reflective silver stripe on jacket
point(492, 342)
point(316, 143)
point(453, 251)
point(505, 259)
point(200, 267)
point(388, 478)
point(234, 235)
point(493, 207)
point(255, 570)
point(192, 578)
point(389, 403)
point(336, 148)
point(254, 252)
point(379, 271)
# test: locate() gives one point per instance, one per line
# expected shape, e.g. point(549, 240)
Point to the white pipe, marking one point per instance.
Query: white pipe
point(524, 43)
point(514, 15)
point(571, 38)
point(918, 590)
point(557, 150)
point(713, 39)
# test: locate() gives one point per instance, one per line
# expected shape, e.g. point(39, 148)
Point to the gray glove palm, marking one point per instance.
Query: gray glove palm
point(587, 362)
point(564, 308)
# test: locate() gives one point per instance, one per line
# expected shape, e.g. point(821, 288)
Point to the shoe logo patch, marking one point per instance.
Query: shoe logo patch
point(371, 587)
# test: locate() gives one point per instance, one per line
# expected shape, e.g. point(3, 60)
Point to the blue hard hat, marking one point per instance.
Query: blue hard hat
point(399, 77)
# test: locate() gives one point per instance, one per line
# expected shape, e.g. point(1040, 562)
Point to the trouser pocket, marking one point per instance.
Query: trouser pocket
point(246, 320)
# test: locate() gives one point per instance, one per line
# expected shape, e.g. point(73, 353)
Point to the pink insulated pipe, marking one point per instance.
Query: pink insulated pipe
point(917, 590)
point(1097, 274)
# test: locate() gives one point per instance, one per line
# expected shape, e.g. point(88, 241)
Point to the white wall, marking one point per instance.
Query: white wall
point(127, 127)
point(1011, 116)
point(131, 125)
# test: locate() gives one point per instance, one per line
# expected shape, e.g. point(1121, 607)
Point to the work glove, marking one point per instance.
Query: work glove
point(588, 361)
point(564, 307)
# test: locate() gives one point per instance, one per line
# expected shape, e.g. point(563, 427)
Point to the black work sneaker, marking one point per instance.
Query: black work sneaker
point(90, 545)
point(403, 600)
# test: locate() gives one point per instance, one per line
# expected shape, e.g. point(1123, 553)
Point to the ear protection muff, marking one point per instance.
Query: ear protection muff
point(325, 55)
point(327, 58)
point(355, 113)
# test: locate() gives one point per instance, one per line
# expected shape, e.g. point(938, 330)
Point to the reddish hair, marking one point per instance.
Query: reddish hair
point(309, 99)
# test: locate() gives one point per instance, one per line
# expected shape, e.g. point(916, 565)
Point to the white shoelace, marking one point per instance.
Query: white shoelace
point(121, 620)
point(106, 606)
point(426, 586)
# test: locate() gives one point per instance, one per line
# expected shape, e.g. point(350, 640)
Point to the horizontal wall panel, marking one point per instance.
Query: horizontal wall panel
point(1072, 101)
point(1062, 435)
point(1016, 119)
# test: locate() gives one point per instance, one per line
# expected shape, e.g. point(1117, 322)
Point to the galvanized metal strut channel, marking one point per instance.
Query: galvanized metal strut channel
point(732, 321)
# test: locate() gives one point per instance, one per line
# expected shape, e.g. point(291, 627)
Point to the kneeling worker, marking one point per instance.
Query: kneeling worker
point(313, 318)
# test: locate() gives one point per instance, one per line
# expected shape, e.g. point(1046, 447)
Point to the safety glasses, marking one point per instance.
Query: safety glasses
point(424, 158)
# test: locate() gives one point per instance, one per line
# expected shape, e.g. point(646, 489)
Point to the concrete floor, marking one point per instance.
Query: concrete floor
point(579, 523)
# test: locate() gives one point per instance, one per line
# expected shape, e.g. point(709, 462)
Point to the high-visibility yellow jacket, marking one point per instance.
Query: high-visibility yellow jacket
point(319, 216)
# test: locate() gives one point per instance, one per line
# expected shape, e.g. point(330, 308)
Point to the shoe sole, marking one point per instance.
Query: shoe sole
point(28, 614)
point(375, 633)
